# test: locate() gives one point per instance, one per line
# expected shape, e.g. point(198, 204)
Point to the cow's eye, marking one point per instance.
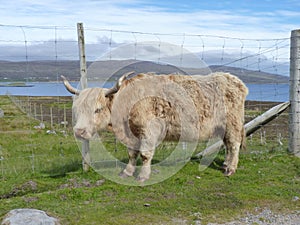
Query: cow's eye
point(98, 110)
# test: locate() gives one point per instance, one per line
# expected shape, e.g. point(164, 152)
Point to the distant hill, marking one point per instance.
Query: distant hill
point(51, 70)
point(250, 76)
point(38, 70)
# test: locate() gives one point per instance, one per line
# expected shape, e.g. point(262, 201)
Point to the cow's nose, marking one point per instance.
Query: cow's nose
point(79, 133)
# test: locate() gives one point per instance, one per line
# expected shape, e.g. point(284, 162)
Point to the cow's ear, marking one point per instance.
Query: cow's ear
point(110, 97)
point(109, 101)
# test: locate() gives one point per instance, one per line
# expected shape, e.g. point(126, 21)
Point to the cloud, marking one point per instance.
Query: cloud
point(267, 57)
point(135, 15)
point(54, 49)
point(52, 34)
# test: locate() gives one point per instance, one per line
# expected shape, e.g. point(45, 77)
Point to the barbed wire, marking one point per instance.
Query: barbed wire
point(217, 51)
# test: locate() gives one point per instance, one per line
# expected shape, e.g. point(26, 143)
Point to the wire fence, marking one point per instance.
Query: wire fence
point(38, 55)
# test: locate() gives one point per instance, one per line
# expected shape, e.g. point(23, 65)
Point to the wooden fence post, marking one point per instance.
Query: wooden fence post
point(51, 118)
point(41, 111)
point(294, 121)
point(83, 81)
point(65, 117)
point(34, 107)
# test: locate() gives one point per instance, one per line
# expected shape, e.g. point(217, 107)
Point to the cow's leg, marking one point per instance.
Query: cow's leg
point(232, 158)
point(146, 167)
point(130, 168)
point(233, 142)
point(154, 133)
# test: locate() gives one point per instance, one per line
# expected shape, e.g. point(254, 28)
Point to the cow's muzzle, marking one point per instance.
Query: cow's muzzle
point(81, 133)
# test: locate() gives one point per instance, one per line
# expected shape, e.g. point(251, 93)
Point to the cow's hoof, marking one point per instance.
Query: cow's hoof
point(224, 167)
point(123, 175)
point(228, 172)
point(141, 179)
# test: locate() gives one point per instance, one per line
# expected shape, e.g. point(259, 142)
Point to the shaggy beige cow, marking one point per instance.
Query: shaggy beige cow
point(146, 109)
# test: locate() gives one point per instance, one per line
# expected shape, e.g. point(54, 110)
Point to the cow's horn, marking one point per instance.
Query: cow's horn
point(69, 86)
point(117, 86)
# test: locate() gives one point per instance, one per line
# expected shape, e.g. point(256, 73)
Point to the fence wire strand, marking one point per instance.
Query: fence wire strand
point(59, 44)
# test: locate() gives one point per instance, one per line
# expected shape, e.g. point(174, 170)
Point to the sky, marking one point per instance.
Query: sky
point(240, 19)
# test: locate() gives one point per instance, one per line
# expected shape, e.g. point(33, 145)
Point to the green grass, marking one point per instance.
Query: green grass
point(44, 171)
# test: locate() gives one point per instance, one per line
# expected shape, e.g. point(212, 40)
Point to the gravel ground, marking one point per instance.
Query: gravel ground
point(266, 217)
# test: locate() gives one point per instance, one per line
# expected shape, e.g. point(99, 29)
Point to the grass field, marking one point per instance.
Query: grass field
point(43, 171)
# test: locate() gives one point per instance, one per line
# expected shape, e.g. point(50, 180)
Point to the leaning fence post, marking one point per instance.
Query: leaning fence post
point(83, 81)
point(294, 123)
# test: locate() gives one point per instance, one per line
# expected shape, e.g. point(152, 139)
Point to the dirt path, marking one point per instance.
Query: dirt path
point(266, 217)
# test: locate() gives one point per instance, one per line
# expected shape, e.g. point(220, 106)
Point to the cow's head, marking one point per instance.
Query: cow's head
point(92, 108)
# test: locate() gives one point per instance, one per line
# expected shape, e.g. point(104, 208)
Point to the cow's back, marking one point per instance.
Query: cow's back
point(208, 93)
point(200, 104)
